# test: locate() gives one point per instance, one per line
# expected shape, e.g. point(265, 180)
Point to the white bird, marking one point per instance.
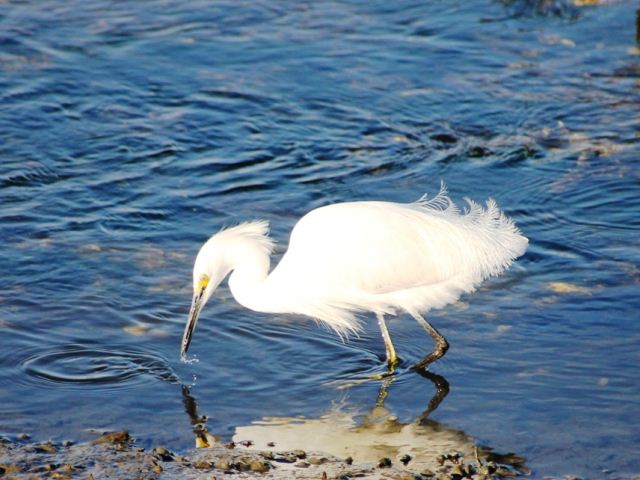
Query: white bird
point(348, 258)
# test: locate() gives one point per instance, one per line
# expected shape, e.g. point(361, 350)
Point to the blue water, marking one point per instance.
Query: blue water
point(131, 131)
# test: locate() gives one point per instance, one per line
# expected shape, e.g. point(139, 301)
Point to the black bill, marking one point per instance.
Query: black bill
point(196, 305)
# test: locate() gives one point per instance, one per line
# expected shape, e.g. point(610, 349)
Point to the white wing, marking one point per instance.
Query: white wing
point(382, 256)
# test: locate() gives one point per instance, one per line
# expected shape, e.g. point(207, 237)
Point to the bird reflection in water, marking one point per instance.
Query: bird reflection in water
point(345, 433)
point(199, 422)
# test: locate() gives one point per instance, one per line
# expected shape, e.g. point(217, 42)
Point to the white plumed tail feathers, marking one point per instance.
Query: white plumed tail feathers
point(454, 250)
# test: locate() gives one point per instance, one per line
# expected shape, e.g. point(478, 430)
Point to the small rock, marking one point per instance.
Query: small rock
point(230, 445)
point(9, 468)
point(384, 463)
point(286, 458)
point(164, 454)
point(302, 464)
point(317, 460)
point(117, 438)
point(50, 467)
point(301, 454)
point(271, 444)
point(202, 465)
point(60, 476)
point(453, 457)
point(348, 460)
point(67, 443)
point(67, 468)
point(267, 455)
point(45, 448)
point(246, 443)
point(258, 466)
point(222, 465)
point(405, 459)
point(157, 468)
point(24, 436)
point(457, 473)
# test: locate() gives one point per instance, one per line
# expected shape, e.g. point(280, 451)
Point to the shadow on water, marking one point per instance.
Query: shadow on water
point(344, 432)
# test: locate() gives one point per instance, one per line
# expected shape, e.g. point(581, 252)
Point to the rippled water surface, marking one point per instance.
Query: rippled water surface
point(130, 131)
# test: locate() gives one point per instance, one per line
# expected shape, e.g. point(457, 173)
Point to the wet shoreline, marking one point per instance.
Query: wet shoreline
point(116, 455)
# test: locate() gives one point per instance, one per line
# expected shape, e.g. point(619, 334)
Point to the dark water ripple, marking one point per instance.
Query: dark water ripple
point(80, 365)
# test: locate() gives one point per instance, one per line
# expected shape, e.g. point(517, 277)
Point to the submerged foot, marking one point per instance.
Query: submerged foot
point(441, 348)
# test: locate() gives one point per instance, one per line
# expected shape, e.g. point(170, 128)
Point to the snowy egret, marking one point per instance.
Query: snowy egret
point(348, 258)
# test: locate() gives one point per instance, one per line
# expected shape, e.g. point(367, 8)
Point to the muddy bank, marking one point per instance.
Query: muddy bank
point(116, 455)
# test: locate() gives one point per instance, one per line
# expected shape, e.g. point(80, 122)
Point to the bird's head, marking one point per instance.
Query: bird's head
point(246, 243)
point(209, 270)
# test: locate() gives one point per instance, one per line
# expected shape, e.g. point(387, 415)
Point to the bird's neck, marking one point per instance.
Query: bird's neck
point(249, 263)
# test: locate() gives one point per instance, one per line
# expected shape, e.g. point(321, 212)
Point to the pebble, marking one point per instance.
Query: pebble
point(60, 476)
point(317, 460)
point(457, 472)
point(24, 436)
point(45, 448)
point(267, 455)
point(286, 458)
point(258, 466)
point(301, 454)
point(384, 462)
point(223, 465)
point(405, 459)
point(202, 465)
point(164, 454)
point(9, 468)
point(302, 464)
point(121, 438)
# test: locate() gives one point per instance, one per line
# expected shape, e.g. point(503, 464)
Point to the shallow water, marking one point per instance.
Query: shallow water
point(130, 131)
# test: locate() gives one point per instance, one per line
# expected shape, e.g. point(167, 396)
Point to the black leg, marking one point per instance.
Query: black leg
point(441, 343)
